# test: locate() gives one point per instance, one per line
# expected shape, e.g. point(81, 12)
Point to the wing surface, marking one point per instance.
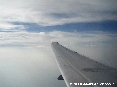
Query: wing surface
point(80, 71)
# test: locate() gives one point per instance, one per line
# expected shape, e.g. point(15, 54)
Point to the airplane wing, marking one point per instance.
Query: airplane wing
point(80, 71)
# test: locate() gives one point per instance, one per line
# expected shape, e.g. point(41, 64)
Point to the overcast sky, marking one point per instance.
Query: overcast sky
point(54, 12)
point(27, 28)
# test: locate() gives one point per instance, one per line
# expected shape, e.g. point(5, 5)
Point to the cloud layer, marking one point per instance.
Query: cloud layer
point(27, 59)
point(44, 38)
point(51, 12)
point(96, 45)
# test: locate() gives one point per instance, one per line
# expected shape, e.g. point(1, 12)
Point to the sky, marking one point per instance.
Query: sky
point(27, 28)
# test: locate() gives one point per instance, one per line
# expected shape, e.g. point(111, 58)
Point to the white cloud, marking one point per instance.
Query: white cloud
point(43, 39)
point(8, 26)
point(98, 46)
point(29, 63)
point(51, 12)
point(27, 67)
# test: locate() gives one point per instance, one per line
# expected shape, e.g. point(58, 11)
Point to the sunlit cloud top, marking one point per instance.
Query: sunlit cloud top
point(55, 12)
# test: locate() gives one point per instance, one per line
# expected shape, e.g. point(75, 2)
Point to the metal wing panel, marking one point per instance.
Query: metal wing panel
point(76, 69)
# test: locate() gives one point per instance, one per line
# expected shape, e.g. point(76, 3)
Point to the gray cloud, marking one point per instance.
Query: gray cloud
point(51, 12)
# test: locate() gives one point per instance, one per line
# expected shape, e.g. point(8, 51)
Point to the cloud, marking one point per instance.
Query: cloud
point(11, 27)
point(59, 12)
point(27, 58)
point(27, 67)
point(88, 44)
point(44, 38)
